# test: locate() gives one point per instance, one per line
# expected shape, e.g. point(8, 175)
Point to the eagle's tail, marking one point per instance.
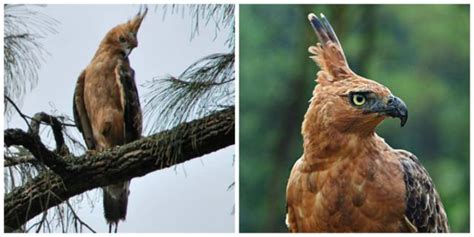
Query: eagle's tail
point(115, 203)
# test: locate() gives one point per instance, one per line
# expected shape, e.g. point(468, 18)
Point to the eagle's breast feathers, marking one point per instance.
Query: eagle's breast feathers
point(349, 179)
point(358, 193)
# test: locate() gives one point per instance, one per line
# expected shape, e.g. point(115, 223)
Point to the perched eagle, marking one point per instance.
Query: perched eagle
point(107, 108)
point(349, 179)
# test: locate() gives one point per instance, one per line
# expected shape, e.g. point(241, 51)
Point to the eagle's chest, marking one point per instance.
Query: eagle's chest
point(103, 84)
point(363, 195)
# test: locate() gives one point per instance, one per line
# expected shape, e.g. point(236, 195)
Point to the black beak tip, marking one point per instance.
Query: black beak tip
point(403, 117)
point(396, 108)
point(403, 121)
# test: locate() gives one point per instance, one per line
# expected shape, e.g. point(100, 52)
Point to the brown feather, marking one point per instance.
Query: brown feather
point(424, 209)
point(107, 104)
point(349, 179)
point(328, 54)
point(80, 114)
point(136, 22)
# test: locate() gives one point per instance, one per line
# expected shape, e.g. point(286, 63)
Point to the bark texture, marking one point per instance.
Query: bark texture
point(69, 175)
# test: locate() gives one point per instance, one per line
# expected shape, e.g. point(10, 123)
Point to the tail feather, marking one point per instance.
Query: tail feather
point(115, 202)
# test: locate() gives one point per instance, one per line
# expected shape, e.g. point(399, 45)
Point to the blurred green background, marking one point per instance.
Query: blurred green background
point(421, 52)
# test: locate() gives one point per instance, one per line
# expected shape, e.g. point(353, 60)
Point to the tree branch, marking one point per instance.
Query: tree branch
point(37, 148)
point(23, 116)
point(35, 118)
point(78, 219)
point(189, 140)
point(12, 161)
point(55, 124)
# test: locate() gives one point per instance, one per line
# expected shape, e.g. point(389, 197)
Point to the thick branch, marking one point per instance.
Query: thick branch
point(180, 144)
point(33, 143)
point(12, 161)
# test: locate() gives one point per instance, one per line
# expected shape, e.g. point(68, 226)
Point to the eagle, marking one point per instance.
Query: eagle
point(107, 108)
point(348, 178)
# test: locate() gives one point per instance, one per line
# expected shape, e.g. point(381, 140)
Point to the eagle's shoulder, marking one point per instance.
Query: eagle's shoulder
point(424, 209)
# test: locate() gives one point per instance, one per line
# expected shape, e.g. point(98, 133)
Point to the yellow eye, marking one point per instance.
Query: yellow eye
point(358, 99)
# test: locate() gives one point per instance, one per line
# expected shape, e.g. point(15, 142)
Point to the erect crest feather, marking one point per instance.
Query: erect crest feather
point(328, 53)
point(135, 23)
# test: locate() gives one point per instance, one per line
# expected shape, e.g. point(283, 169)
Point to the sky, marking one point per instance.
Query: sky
point(190, 197)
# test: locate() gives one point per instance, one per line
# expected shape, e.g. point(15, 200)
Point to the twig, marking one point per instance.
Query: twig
point(77, 218)
point(43, 219)
point(22, 115)
point(10, 161)
point(25, 117)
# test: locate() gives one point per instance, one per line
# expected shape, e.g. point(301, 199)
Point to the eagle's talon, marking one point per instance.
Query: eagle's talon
point(92, 152)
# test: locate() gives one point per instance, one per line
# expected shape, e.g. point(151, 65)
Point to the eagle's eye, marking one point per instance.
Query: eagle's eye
point(358, 99)
point(122, 39)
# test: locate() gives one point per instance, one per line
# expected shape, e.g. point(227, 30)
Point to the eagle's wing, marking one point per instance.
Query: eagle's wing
point(131, 103)
point(424, 209)
point(328, 54)
point(81, 117)
point(116, 195)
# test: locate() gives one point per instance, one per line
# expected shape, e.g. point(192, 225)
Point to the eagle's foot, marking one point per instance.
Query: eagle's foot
point(92, 152)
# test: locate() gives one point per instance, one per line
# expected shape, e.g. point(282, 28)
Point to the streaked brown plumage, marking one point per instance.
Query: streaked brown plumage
point(107, 107)
point(349, 179)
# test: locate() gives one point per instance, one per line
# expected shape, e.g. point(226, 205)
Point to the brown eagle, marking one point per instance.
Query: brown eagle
point(349, 179)
point(107, 107)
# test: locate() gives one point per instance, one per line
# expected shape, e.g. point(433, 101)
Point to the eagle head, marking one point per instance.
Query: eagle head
point(342, 99)
point(124, 36)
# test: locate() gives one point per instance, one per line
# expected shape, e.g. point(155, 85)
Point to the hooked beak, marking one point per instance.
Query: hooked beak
point(127, 51)
point(396, 108)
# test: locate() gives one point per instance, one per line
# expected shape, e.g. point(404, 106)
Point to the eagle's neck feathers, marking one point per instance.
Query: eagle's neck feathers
point(324, 144)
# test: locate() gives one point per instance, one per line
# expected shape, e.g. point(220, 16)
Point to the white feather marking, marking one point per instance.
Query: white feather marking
point(127, 51)
point(119, 83)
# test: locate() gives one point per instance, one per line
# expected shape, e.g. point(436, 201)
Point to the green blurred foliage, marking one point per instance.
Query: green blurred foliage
point(421, 52)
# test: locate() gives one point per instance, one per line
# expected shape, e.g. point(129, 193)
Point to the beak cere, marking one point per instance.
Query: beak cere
point(396, 108)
